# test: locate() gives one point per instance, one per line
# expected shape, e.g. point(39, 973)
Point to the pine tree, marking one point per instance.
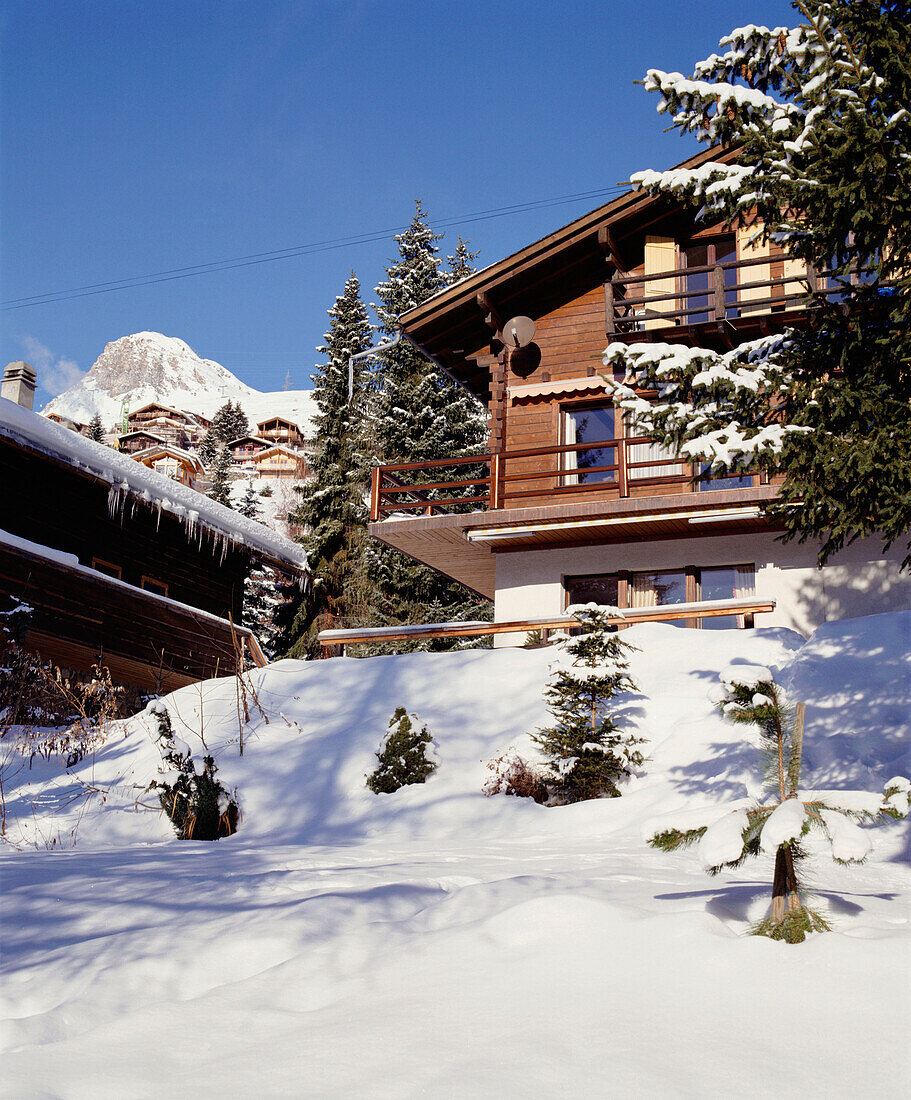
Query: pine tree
point(264, 596)
point(461, 263)
point(588, 750)
point(220, 478)
point(208, 448)
point(249, 504)
point(418, 414)
point(818, 114)
point(95, 429)
point(228, 423)
point(780, 825)
point(332, 508)
point(402, 756)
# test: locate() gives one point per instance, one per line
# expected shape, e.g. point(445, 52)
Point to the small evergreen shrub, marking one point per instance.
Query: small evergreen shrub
point(780, 824)
point(512, 774)
point(190, 794)
point(588, 751)
point(402, 758)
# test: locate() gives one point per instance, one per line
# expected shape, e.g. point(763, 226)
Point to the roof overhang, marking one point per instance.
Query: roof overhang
point(451, 327)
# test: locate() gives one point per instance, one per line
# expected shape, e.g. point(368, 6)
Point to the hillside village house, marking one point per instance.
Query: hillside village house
point(569, 505)
point(278, 429)
point(179, 465)
point(120, 563)
point(171, 425)
point(281, 462)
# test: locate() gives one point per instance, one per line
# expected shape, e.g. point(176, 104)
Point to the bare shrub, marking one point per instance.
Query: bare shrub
point(512, 774)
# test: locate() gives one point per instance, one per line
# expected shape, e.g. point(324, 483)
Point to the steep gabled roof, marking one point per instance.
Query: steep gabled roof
point(450, 326)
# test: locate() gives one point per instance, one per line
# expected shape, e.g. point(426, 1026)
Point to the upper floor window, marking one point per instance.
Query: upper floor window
point(595, 424)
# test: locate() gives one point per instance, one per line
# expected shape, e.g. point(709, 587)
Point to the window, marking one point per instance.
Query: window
point(594, 424)
point(107, 568)
point(736, 481)
point(151, 585)
point(661, 588)
point(699, 286)
point(734, 582)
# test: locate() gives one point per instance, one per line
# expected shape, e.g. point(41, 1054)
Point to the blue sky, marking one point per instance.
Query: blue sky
point(144, 137)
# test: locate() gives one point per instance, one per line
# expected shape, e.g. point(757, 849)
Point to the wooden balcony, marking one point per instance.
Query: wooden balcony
point(728, 300)
point(608, 469)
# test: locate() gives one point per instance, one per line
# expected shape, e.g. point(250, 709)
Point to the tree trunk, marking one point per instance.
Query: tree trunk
point(784, 886)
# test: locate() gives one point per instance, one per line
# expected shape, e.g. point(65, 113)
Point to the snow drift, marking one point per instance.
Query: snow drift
point(459, 944)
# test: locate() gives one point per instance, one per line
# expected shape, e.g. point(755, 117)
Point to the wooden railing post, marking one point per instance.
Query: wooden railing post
point(721, 311)
point(375, 475)
point(610, 313)
point(494, 502)
point(622, 458)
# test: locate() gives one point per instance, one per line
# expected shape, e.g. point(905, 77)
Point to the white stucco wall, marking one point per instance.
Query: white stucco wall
point(859, 581)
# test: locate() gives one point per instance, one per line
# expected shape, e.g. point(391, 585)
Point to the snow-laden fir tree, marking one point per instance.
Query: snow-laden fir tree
point(95, 430)
point(820, 115)
point(220, 478)
point(332, 508)
point(461, 263)
point(781, 824)
point(588, 750)
point(418, 414)
point(405, 756)
point(265, 592)
point(229, 423)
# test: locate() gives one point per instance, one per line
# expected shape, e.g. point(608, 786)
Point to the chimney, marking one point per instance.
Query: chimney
point(19, 381)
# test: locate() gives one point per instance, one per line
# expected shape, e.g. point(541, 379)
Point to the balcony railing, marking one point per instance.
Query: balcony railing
point(608, 469)
point(717, 292)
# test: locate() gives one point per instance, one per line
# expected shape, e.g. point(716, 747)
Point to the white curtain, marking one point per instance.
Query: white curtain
point(642, 452)
point(744, 587)
point(569, 457)
point(642, 592)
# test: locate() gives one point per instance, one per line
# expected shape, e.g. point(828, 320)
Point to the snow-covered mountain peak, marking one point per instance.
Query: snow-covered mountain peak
point(148, 366)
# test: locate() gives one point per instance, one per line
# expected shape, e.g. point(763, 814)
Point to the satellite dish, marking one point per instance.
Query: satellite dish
point(519, 332)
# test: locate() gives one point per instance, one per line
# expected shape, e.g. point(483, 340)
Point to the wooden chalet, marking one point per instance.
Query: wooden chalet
point(172, 425)
point(178, 465)
point(245, 448)
point(281, 462)
point(132, 443)
point(569, 504)
point(278, 429)
point(120, 563)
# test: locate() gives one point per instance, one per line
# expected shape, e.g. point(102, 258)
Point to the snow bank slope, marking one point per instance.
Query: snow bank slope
point(301, 777)
point(437, 943)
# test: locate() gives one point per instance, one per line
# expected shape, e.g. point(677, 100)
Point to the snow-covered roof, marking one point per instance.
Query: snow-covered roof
point(278, 447)
point(164, 408)
point(128, 477)
point(172, 452)
point(247, 439)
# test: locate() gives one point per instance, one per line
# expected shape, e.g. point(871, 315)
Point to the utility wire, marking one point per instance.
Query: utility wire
point(256, 258)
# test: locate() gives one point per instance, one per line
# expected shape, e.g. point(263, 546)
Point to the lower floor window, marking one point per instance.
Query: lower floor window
point(660, 588)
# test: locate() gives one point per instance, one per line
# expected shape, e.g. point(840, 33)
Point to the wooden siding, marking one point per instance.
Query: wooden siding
point(79, 619)
point(55, 505)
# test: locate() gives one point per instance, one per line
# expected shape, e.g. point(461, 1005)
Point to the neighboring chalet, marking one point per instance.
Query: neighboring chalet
point(245, 448)
point(133, 443)
point(277, 429)
point(120, 563)
point(281, 462)
point(178, 465)
point(183, 429)
point(569, 505)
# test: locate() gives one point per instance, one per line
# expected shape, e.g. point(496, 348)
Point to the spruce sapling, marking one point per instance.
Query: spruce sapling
point(588, 751)
point(403, 755)
point(780, 824)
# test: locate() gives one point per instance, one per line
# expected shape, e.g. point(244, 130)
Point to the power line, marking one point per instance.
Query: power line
point(172, 274)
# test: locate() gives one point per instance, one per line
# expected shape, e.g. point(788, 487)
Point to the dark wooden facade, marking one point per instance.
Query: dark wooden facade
point(151, 598)
point(636, 269)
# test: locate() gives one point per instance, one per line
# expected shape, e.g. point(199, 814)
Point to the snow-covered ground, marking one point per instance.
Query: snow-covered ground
point(435, 942)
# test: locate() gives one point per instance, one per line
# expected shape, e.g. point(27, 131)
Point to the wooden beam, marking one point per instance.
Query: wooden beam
point(670, 612)
point(491, 316)
point(608, 245)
